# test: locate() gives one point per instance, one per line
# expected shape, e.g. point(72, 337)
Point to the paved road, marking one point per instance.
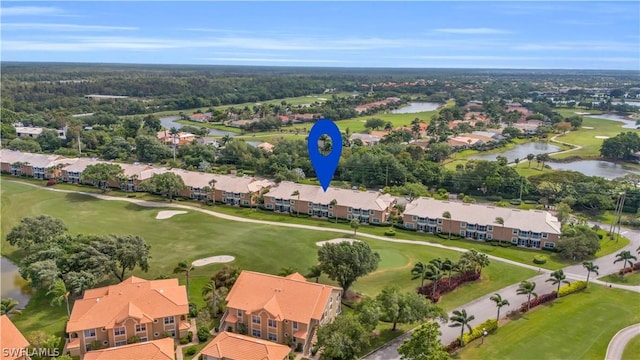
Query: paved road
point(620, 340)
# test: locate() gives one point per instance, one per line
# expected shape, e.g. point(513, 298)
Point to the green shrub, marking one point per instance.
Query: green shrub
point(134, 339)
point(573, 287)
point(184, 341)
point(203, 333)
point(494, 198)
point(191, 350)
point(539, 259)
point(530, 202)
point(390, 232)
point(190, 336)
point(131, 195)
point(515, 201)
point(490, 326)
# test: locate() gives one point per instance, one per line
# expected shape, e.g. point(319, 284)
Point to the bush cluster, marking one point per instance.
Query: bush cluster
point(573, 287)
point(490, 326)
point(191, 350)
point(203, 333)
point(539, 259)
point(390, 232)
point(184, 341)
point(446, 285)
point(539, 300)
point(626, 270)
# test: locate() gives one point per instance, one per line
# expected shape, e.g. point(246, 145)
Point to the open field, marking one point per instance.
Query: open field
point(629, 279)
point(632, 349)
point(578, 327)
point(195, 235)
point(587, 137)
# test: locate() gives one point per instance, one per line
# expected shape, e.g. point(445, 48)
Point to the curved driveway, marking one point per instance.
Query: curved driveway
point(620, 340)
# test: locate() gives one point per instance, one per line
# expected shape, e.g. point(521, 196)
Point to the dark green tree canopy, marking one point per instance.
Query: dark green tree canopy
point(345, 262)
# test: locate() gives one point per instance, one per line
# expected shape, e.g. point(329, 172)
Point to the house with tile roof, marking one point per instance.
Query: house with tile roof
point(109, 316)
point(150, 350)
point(368, 206)
point(231, 346)
point(38, 166)
point(13, 343)
point(285, 310)
point(534, 229)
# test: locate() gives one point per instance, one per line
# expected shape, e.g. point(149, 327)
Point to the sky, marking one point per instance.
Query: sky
point(426, 34)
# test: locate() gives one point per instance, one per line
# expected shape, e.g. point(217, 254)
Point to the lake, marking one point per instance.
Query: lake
point(520, 151)
point(631, 103)
point(628, 123)
point(12, 285)
point(605, 169)
point(416, 107)
point(170, 121)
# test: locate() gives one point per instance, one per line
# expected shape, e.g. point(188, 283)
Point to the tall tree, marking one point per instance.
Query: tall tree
point(558, 278)
point(100, 174)
point(424, 344)
point(297, 193)
point(591, 268)
point(527, 288)
point(434, 273)
point(168, 184)
point(186, 268)
point(449, 266)
point(477, 259)
point(500, 221)
point(530, 157)
point(500, 302)
point(314, 272)
point(126, 252)
point(59, 293)
point(333, 203)
point(343, 338)
point(355, 224)
point(460, 318)
point(408, 307)
point(9, 306)
point(286, 271)
point(345, 262)
point(418, 272)
point(447, 215)
point(625, 256)
point(35, 231)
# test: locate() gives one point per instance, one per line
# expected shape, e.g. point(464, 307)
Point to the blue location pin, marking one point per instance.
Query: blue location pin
point(325, 165)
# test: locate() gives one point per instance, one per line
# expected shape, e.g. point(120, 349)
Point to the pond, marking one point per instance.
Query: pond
point(12, 285)
point(170, 121)
point(605, 169)
point(520, 151)
point(628, 123)
point(416, 107)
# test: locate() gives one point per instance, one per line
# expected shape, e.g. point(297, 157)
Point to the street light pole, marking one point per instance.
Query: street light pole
point(484, 334)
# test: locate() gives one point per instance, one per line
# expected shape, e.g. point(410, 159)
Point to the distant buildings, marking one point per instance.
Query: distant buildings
point(34, 132)
point(105, 97)
point(365, 107)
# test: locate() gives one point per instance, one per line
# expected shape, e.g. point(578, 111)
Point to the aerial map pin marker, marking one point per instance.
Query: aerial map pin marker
point(325, 165)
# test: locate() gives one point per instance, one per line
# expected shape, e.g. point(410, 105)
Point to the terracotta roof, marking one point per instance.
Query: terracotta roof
point(11, 337)
point(141, 299)
point(291, 298)
point(233, 346)
point(150, 350)
point(371, 200)
point(531, 220)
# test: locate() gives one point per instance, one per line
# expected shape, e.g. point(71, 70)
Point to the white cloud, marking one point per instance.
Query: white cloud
point(472, 31)
point(30, 11)
point(579, 46)
point(63, 27)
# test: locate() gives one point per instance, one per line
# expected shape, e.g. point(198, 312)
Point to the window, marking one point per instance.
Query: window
point(245, 202)
point(462, 233)
point(439, 229)
point(376, 221)
point(330, 214)
point(515, 232)
point(489, 227)
point(295, 325)
point(291, 202)
point(144, 339)
point(514, 240)
point(414, 218)
point(439, 221)
point(141, 327)
point(330, 207)
point(549, 245)
point(310, 212)
point(349, 217)
point(409, 226)
point(90, 333)
point(272, 323)
point(273, 337)
point(545, 235)
point(371, 212)
point(269, 206)
point(463, 225)
point(239, 313)
point(255, 333)
point(121, 343)
point(169, 320)
point(255, 319)
point(119, 331)
point(489, 237)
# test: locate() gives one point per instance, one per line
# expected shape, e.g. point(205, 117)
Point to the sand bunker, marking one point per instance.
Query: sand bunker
point(167, 214)
point(213, 260)
point(334, 241)
point(601, 137)
point(588, 127)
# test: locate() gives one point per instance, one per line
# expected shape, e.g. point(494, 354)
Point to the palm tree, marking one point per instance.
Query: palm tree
point(60, 293)
point(286, 271)
point(527, 288)
point(434, 274)
point(591, 268)
point(314, 272)
point(558, 277)
point(499, 220)
point(225, 140)
point(448, 265)
point(8, 307)
point(333, 203)
point(418, 272)
point(210, 289)
point(297, 193)
point(638, 250)
point(530, 157)
point(447, 215)
point(624, 256)
point(355, 224)
point(461, 319)
point(477, 259)
point(500, 302)
point(212, 186)
point(186, 268)
point(173, 132)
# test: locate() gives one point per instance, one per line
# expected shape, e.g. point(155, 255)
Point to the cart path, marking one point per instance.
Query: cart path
point(620, 341)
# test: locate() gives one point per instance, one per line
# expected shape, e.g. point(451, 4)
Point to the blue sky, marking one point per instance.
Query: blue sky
point(536, 35)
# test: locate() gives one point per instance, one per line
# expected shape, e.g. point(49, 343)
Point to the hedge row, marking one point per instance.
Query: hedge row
point(539, 300)
point(635, 267)
point(572, 288)
point(446, 285)
point(490, 326)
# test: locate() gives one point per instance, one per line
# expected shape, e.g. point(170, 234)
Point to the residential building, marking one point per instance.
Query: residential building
point(286, 310)
point(72, 172)
point(180, 138)
point(366, 139)
point(149, 350)
point(13, 343)
point(38, 166)
point(104, 97)
point(463, 141)
point(109, 316)
point(376, 104)
point(368, 206)
point(535, 229)
point(34, 132)
point(200, 117)
point(231, 346)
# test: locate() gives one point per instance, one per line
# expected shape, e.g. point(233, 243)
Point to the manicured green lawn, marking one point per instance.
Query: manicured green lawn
point(629, 279)
point(632, 349)
point(587, 137)
point(578, 327)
